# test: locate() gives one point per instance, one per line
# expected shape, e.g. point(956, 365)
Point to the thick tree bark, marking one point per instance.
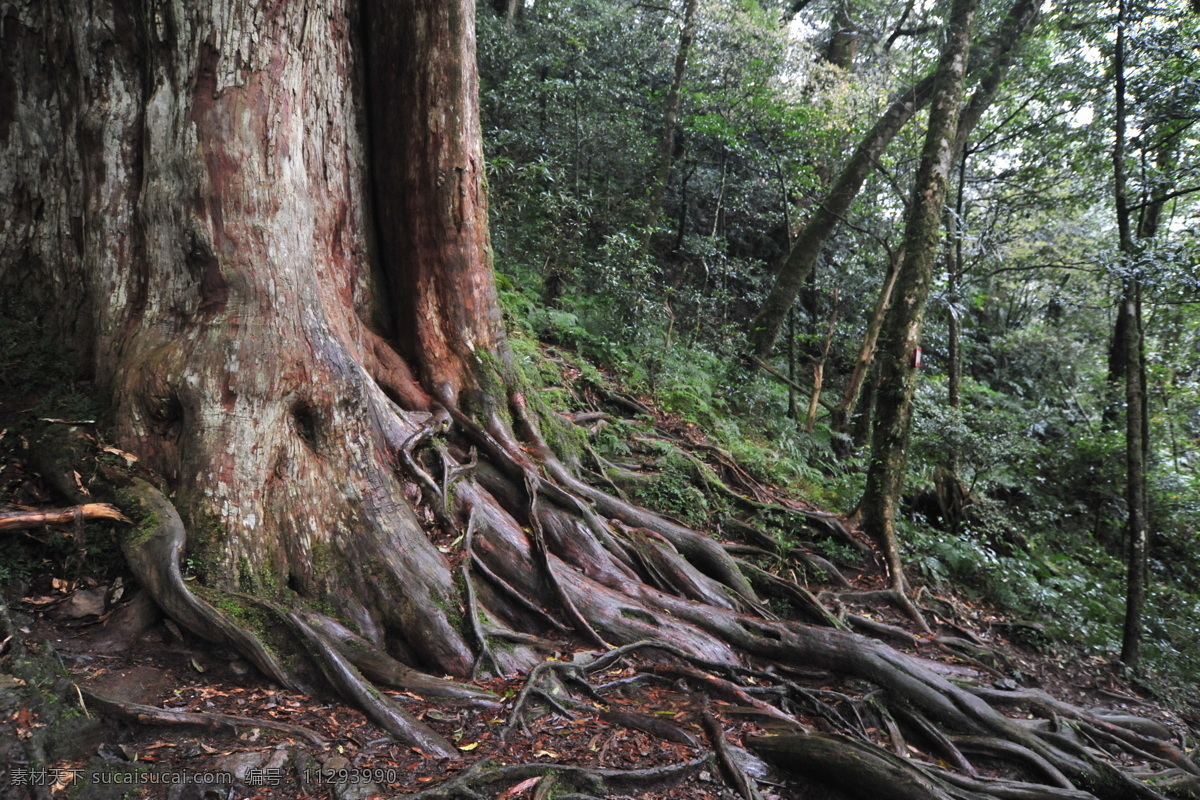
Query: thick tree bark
point(433, 235)
point(198, 172)
point(901, 334)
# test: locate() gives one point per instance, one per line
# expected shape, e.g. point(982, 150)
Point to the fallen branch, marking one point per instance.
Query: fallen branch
point(658, 728)
point(596, 782)
point(23, 520)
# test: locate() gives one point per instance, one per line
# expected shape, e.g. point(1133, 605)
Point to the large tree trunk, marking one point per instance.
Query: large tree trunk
point(205, 208)
point(433, 235)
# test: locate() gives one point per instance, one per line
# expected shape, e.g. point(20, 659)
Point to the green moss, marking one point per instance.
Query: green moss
point(673, 491)
point(496, 375)
point(452, 609)
point(257, 619)
point(247, 579)
point(639, 615)
point(145, 521)
point(567, 440)
point(322, 605)
point(207, 541)
point(322, 558)
point(327, 562)
point(268, 582)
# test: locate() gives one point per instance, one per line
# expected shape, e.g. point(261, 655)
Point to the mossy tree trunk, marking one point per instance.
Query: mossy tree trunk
point(989, 61)
point(1128, 342)
point(900, 337)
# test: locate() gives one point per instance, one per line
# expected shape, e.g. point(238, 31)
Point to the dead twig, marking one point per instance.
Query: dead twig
point(23, 520)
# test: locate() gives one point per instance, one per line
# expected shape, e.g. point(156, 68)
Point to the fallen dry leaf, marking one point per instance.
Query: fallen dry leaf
point(521, 787)
point(130, 458)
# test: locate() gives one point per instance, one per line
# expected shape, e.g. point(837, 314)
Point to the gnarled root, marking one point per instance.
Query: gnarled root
point(546, 551)
point(224, 723)
point(153, 550)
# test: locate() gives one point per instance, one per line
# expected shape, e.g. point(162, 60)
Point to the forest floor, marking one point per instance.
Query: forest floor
point(169, 671)
point(65, 615)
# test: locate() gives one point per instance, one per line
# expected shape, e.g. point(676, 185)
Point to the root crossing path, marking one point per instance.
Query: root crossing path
point(545, 557)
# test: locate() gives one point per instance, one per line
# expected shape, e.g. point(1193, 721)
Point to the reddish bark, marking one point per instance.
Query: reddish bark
point(433, 234)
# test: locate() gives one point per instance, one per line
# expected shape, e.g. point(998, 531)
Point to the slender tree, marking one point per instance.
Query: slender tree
point(666, 157)
point(901, 333)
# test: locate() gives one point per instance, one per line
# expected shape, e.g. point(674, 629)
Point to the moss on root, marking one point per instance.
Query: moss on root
point(254, 617)
point(206, 540)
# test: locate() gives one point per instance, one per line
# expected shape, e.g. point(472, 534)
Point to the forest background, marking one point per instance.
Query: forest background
point(1019, 410)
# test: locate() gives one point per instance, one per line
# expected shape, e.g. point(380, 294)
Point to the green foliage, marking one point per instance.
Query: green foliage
point(573, 100)
point(15, 562)
point(36, 366)
point(673, 491)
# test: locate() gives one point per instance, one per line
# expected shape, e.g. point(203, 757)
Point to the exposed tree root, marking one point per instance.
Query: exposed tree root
point(137, 713)
point(801, 599)
point(658, 728)
point(1124, 731)
point(729, 765)
point(860, 769)
point(571, 781)
point(382, 668)
point(898, 598)
point(999, 748)
point(543, 550)
point(877, 629)
point(1002, 789)
point(938, 740)
point(153, 551)
point(349, 682)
